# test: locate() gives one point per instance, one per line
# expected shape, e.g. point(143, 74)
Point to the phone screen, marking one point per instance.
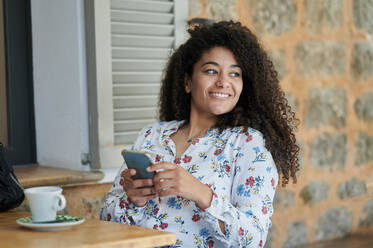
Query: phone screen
point(138, 161)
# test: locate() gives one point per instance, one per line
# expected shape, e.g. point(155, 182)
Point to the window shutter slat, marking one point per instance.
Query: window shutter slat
point(140, 53)
point(135, 101)
point(138, 65)
point(142, 5)
point(125, 137)
point(136, 89)
point(141, 29)
point(142, 41)
point(134, 113)
point(135, 77)
point(141, 17)
point(131, 125)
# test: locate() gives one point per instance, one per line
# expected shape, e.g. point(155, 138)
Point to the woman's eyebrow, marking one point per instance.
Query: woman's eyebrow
point(210, 63)
point(214, 63)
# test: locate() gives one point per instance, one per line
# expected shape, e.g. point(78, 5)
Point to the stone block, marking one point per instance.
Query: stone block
point(315, 192)
point(92, 206)
point(273, 16)
point(283, 199)
point(278, 57)
point(323, 15)
point(328, 151)
point(334, 223)
point(292, 101)
point(363, 10)
point(362, 60)
point(297, 235)
point(363, 106)
point(364, 149)
point(326, 106)
point(366, 217)
point(323, 58)
point(351, 189)
point(194, 7)
point(221, 10)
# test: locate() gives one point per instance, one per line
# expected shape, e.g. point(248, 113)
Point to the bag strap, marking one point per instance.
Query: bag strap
point(4, 166)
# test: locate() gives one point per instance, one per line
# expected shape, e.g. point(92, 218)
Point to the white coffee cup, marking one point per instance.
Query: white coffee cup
point(45, 202)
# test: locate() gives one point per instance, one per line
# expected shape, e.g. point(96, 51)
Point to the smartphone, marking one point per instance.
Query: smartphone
point(138, 161)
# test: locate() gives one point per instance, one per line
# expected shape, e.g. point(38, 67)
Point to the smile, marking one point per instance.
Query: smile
point(220, 95)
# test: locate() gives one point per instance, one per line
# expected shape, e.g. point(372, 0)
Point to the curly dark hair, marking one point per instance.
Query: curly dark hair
point(262, 104)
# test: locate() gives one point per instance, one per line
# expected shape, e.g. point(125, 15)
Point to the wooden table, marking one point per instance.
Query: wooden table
point(91, 233)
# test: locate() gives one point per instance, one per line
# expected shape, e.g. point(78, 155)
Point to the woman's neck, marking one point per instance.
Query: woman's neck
point(198, 125)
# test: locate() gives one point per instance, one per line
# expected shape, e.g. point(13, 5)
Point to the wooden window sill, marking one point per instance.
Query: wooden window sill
point(39, 175)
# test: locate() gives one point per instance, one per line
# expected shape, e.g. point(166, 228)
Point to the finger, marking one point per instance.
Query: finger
point(128, 173)
point(135, 193)
point(142, 183)
point(160, 166)
point(142, 199)
point(128, 185)
point(169, 174)
point(138, 183)
point(167, 192)
point(164, 185)
point(144, 191)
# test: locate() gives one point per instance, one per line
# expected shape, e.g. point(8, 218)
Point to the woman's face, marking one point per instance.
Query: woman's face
point(216, 83)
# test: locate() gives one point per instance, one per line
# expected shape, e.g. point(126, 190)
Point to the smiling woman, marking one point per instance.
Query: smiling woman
point(225, 136)
point(215, 85)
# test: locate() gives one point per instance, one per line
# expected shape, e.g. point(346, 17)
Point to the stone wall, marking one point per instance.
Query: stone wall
point(323, 52)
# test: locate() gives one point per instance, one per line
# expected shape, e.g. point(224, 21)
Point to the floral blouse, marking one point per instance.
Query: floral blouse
point(237, 167)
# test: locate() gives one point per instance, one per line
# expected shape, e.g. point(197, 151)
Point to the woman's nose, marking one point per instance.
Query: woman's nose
point(222, 80)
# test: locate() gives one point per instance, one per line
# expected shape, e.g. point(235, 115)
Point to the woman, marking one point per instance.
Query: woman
point(215, 173)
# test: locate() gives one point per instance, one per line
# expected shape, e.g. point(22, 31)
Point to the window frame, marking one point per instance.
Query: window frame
point(21, 148)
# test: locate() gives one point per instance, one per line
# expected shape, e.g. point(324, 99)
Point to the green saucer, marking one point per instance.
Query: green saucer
point(59, 219)
point(62, 222)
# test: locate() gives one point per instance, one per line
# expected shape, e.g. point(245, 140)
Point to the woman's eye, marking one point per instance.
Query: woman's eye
point(235, 74)
point(211, 71)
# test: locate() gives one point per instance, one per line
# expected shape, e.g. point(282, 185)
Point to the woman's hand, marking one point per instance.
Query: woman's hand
point(134, 188)
point(174, 180)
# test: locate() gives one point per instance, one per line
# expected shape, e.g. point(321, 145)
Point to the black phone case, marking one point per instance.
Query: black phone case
point(138, 161)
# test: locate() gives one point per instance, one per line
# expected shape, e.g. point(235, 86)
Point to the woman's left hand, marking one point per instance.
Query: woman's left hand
point(175, 180)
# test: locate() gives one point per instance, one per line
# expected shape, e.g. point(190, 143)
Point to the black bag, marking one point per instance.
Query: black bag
point(11, 192)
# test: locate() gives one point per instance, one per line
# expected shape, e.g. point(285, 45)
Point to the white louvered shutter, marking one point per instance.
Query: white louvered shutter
point(142, 34)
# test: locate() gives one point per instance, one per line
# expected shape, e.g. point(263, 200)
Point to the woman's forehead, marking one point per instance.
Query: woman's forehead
point(219, 55)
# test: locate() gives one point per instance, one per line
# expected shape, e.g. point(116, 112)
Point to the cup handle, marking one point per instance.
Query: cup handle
point(60, 199)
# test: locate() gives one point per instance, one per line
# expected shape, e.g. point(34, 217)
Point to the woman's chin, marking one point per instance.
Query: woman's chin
point(220, 111)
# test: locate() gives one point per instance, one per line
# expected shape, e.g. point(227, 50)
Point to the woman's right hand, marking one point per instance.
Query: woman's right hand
point(134, 188)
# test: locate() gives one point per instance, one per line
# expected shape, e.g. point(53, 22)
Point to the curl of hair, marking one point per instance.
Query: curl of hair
point(262, 104)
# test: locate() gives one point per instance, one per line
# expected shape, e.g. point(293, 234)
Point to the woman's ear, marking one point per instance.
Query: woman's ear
point(187, 81)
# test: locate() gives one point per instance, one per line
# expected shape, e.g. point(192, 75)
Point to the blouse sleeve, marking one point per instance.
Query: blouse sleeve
point(117, 207)
point(246, 215)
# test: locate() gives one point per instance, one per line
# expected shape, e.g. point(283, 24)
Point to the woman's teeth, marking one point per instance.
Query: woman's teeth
point(220, 94)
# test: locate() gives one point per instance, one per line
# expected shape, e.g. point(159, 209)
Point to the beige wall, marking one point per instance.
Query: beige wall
point(324, 54)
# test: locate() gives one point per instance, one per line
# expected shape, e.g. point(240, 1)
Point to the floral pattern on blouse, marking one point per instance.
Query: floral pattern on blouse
point(237, 167)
